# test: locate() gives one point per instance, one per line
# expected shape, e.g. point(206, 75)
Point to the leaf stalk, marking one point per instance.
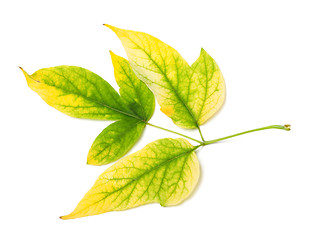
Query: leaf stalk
point(180, 134)
point(201, 134)
point(285, 127)
point(282, 127)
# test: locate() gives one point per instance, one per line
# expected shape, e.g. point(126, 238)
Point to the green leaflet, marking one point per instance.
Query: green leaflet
point(183, 93)
point(165, 171)
point(115, 141)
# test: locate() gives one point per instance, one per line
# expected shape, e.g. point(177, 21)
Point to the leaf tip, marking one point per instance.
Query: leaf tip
point(92, 161)
point(108, 26)
point(25, 73)
point(71, 215)
point(203, 52)
point(112, 54)
point(287, 127)
point(89, 160)
point(114, 29)
point(21, 69)
point(116, 60)
point(65, 217)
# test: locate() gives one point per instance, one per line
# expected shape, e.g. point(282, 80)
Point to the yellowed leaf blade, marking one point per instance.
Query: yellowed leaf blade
point(79, 93)
point(134, 91)
point(180, 90)
point(212, 86)
point(165, 171)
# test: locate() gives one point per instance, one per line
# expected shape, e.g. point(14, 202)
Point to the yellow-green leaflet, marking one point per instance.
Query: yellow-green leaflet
point(119, 137)
point(80, 93)
point(188, 95)
point(165, 171)
point(211, 86)
point(115, 141)
point(135, 92)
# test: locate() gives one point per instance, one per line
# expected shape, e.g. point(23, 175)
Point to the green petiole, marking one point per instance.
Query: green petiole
point(282, 127)
point(174, 132)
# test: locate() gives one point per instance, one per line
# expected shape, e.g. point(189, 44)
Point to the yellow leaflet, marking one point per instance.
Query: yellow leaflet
point(165, 171)
point(79, 93)
point(188, 95)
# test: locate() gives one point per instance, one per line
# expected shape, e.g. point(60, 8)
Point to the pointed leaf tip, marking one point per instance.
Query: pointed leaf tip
point(165, 70)
point(106, 25)
point(22, 69)
point(169, 178)
point(28, 77)
point(112, 54)
point(114, 29)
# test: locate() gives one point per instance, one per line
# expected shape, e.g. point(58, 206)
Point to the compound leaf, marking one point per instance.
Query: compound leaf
point(115, 141)
point(182, 92)
point(165, 171)
point(79, 93)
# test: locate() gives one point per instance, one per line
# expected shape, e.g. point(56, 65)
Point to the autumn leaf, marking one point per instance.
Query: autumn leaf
point(188, 95)
point(134, 92)
point(165, 171)
point(79, 93)
point(210, 85)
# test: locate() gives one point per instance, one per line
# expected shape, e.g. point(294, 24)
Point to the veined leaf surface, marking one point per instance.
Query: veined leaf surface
point(183, 93)
point(115, 141)
point(165, 171)
point(79, 93)
point(211, 86)
point(134, 91)
point(118, 138)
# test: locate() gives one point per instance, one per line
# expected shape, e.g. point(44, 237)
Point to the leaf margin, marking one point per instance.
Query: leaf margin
point(109, 173)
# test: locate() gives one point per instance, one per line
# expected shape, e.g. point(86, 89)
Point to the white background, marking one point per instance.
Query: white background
point(256, 186)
